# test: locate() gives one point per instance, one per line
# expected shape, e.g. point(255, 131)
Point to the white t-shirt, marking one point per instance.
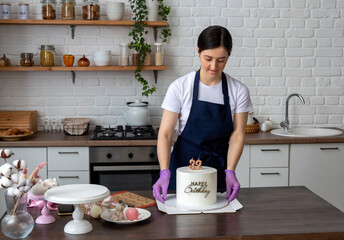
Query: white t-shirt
point(178, 98)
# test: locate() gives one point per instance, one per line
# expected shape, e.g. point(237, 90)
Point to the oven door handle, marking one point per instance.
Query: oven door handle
point(126, 168)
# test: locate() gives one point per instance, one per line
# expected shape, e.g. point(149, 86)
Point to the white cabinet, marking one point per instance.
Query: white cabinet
point(319, 167)
point(268, 177)
point(33, 156)
point(69, 165)
point(242, 170)
point(269, 165)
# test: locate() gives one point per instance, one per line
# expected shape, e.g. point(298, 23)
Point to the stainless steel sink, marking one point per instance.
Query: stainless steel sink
point(306, 132)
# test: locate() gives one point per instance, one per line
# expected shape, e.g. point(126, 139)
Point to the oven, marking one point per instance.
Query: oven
point(124, 167)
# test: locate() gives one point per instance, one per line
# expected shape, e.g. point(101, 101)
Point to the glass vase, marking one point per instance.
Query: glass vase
point(17, 223)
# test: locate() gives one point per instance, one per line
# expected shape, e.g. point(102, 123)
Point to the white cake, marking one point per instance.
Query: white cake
point(196, 188)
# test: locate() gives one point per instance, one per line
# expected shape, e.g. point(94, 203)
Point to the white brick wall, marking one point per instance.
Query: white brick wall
point(280, 47)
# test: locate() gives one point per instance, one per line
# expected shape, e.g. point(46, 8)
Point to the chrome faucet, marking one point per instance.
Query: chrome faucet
point(285, 123)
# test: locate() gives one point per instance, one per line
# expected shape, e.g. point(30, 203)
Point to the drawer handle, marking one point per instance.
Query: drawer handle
point(68, 152)
point(270, 150)
point(68, 176)
point(269, 173)
point(329, 148)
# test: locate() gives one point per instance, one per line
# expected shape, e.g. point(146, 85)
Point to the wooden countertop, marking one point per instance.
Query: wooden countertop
point(58, 139)
point(276, 213)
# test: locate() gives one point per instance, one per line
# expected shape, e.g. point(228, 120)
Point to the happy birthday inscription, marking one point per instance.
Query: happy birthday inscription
point(197, 187)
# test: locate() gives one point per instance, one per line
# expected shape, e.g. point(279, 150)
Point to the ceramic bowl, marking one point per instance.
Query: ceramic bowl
point(116, 16)
point(102, 63)
point(114, 6)
point(102, 60)
point(102, 53)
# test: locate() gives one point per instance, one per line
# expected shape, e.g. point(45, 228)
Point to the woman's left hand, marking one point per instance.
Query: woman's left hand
point(232, 185)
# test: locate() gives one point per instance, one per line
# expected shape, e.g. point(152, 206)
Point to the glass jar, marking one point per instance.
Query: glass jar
point(5, 10)
point(47, 55)
point(26, 59)
point(158, 54)
point(135, 58)
point(68, 9)
point(49, 9)
point(46, 125)
point(124, 54)
point(24, 11)
point(147, 61)
point(91, 10)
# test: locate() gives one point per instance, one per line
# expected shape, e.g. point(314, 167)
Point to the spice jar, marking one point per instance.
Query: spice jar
point(124, 54)
point(135, 58)
point(26, 59)
point(47, 55)
point(5, 10)
point(68, 9)
point(24, 11)
point(147, 61)
point(91, 10)
point(158, 54)
point(49, 9)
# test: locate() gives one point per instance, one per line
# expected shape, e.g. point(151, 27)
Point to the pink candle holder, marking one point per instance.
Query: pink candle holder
point(45, 218)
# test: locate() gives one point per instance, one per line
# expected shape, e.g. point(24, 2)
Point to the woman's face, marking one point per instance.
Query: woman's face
point(213, 61)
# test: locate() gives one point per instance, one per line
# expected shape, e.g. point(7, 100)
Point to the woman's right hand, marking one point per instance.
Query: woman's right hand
point(161, 186)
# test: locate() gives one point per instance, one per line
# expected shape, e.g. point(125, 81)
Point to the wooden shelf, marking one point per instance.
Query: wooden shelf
point(78, 22)
point(91, 68)
point(72, 24)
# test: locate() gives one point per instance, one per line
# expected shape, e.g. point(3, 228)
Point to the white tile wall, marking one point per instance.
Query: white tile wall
point(280, 47)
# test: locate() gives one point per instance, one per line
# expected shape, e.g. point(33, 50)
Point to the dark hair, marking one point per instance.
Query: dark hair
point(214, 37)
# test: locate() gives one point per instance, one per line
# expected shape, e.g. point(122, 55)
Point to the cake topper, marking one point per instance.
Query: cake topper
point(195, 165)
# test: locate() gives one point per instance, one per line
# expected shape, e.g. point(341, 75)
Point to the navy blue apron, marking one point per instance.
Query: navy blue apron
point(205, 135)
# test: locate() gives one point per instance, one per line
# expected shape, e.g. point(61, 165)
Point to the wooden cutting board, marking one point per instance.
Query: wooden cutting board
point(18, 119)
point(129, 198)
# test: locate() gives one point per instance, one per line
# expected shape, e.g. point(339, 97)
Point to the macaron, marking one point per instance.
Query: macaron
point(132, 214)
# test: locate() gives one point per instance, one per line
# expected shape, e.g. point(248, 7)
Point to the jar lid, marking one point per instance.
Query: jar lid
point(68, 1)
point(48, 1)
point(5, 4)
point(22, 55)
point(157, 44)
point(124, 44)
point(137, 103)
point(91, 1)
point(47, 47)
point(23, 4)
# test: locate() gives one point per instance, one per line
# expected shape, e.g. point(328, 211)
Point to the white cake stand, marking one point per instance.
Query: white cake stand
point(77, 194)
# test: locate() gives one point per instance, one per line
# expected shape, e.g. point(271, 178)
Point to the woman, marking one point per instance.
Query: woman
point(212, 110)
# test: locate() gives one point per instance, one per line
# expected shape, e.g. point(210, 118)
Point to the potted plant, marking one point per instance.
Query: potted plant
point(138, 33)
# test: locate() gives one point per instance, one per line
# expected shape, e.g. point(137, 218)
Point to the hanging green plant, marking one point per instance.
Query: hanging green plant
point(163, 12)
point(138, 42)
point(138, 33)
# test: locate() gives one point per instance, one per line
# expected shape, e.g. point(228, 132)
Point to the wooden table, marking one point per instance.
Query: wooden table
point(277, 213)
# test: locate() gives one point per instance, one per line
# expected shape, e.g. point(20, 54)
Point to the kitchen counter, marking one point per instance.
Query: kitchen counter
point(58, 139)
point(293, 213)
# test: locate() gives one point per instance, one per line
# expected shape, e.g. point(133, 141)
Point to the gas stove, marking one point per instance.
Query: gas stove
point(124, 133)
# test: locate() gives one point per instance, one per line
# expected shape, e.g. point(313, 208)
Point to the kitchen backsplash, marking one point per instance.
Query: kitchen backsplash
point(280, 47)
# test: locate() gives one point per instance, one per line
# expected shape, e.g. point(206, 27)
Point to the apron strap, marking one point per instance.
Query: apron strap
point(224, 88)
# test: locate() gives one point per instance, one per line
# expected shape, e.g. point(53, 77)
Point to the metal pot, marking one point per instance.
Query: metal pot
point(137, 113)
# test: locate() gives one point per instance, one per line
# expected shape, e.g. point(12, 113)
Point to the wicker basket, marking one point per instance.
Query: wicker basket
point(75, 126)
point(253, 128)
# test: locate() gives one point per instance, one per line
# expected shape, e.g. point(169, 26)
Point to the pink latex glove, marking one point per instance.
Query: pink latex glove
point(160, 187)
point(232, 185)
